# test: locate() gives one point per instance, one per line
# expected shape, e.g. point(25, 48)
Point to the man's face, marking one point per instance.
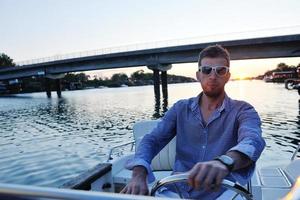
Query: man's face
point(213, 84)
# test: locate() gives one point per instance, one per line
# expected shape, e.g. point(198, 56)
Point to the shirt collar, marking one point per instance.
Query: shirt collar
point(225, 104)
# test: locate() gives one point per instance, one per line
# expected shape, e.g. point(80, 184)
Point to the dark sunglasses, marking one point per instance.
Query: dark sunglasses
point(219, 70)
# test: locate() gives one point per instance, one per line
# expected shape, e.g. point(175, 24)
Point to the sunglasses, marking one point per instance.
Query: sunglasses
point(219, 70)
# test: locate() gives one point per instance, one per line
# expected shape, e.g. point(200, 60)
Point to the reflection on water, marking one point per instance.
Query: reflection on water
point(48, 141)
point(160, 108)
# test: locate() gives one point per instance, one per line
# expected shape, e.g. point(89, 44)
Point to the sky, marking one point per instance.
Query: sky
point(35, 29)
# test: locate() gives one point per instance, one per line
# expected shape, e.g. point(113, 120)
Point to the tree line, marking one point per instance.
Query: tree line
point(81, 80)
point(282, 67)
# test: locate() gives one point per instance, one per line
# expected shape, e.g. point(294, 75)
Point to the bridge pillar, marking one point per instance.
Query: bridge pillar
point(48, 87)
point(164, 78)
point(58, 87)
point(57, 78)
point(156, 83)
point(164, 84)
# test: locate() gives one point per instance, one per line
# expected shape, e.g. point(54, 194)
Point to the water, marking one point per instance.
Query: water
point(49, 141)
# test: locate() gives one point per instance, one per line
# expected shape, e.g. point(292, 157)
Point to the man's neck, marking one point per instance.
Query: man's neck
point(211, 103)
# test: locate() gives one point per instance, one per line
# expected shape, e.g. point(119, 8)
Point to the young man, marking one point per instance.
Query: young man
point(217, 137)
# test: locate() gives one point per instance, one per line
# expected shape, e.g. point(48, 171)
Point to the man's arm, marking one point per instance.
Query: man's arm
point(240, 160)
point(150, 145)
point(138, 183)
point(245, 154)
point(209, 175)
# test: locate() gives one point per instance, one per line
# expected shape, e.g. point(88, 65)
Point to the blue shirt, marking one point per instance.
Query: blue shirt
point(235, 125)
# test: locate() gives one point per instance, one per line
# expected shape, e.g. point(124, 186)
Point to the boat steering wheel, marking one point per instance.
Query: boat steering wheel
point(184, 177)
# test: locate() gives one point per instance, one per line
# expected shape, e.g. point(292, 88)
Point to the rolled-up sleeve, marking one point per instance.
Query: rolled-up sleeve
point(250, 141)
point(153, 142)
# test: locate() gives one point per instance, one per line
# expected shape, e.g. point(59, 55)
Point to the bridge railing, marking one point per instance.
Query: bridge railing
point(168, 43)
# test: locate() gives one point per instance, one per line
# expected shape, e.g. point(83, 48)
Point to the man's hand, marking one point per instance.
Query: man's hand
point(207, 175)
point(138, 183)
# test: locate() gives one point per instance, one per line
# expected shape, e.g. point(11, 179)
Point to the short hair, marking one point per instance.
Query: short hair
point(214, 51)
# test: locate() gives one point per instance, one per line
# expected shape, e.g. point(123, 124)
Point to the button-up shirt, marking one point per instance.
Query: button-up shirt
point(234, 126)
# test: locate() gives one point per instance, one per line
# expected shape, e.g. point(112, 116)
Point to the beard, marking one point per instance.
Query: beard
point(215, 93)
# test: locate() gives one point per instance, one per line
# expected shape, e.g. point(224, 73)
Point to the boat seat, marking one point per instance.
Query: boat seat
point(293, 170)
point(274, 182)
point(165, 159)
point(162, 164)
point(273, 178)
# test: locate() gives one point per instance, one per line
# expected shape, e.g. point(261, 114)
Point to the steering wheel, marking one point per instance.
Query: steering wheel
point(184, 177)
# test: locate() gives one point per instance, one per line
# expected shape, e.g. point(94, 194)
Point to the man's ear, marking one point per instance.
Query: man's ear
point(198, 76)
point(228, 77)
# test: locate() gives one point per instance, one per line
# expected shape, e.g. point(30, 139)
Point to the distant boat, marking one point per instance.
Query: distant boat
point(292, 83)
point(124, 85)
point(101, 87)
point(283, 75)
point(3, 89)
point(268, 79)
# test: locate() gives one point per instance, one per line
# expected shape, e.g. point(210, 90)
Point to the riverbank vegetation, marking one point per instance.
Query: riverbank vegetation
point(281, 73)
point(75, 81)
point(6, 61)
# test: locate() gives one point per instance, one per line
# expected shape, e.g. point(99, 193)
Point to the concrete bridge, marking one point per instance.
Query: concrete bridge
point(158, 59)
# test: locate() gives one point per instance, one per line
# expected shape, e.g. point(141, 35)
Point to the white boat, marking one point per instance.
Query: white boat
point(107, 179)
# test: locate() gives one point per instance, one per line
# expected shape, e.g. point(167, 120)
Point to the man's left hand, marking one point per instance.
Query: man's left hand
point(207, 175)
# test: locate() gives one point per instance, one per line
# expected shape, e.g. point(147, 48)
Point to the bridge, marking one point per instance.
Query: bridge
point(157, 59)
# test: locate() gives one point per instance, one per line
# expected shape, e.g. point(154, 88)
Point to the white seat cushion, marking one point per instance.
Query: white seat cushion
point(165, 159)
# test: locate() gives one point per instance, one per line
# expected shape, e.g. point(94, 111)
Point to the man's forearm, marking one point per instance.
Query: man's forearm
point(138, 183)
point(241, 160)
point(139, 171)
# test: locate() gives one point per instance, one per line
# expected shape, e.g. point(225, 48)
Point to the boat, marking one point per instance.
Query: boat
point(3, 88)
point(292, 83)
point(268, 79)
point(107, 179)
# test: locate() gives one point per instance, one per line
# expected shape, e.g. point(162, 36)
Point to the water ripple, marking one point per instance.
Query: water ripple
point(48, 141)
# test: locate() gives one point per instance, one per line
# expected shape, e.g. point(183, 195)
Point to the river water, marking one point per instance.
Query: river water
point(49, 141)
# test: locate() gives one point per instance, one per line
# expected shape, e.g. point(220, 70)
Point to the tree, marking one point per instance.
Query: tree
point(6, 61)
point(283, 67)
point(141, 76)
point(137, 75)
point(81, 77)
point(120, 78)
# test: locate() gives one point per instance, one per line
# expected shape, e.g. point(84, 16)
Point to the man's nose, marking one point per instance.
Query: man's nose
point(213, 75)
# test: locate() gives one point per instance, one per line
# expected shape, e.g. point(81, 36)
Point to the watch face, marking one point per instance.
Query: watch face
point(227, 160)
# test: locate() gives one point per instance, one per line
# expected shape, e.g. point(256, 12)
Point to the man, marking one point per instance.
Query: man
point(217, 137)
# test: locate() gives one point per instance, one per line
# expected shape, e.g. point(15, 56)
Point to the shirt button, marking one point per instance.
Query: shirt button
point(203, 147)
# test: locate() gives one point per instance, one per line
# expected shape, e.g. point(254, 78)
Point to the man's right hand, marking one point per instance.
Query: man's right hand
point(138, 183)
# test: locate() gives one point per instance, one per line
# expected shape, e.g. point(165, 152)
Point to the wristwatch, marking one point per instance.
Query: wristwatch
point(227, 161)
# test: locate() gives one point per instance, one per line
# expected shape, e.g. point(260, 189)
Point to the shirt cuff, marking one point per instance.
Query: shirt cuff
point(131, 163)
point(249, 148)
point(242, 176)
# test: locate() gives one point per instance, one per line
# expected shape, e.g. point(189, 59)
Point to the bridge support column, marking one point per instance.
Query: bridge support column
point(164, 79)
point(48, 87)
point(58, 87)
point(164, 84)
point(156, 83)
point(57, 78)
